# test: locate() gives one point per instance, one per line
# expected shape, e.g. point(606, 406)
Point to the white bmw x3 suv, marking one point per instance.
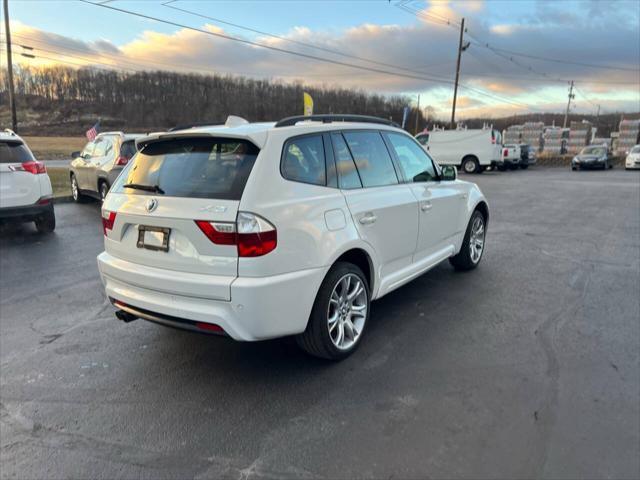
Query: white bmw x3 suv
point(265, 230)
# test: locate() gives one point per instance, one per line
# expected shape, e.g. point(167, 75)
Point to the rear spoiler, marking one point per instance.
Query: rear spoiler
point(161, 137)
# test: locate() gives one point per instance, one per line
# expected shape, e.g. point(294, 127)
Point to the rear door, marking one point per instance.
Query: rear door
point(188, 224)
point(440, 204)
point(384, 211)
point(18, 187)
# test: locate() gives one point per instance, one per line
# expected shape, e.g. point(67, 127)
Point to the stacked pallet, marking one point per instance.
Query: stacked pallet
point(555, 140)
point(512, 134)
point(579, 136)
point(532, 135)
point(629, 134)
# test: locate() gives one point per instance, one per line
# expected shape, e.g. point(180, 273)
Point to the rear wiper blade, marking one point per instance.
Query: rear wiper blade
point(148, 188)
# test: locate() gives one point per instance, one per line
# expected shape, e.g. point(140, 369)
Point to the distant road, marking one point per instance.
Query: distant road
point(57, 163)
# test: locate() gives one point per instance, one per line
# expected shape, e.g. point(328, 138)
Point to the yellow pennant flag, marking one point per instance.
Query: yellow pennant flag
point(308, 104)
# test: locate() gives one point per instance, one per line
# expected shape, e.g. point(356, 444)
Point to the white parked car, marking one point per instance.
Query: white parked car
point(471, 150)
point(25, 188)
point(265, 230)
point(633, 158)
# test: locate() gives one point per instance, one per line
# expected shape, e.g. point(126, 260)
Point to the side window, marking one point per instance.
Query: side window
point(128, 149)
point(414, 161)
point(303, 160)
point(88, 150)
point(108, 148)
point(372, 158)
point(100, 148)
point(423, 139)
point(348, 177)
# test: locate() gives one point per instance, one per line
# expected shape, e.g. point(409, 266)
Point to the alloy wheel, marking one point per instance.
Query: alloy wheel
point(74, 188)
point(347, 311)
point(476, 239)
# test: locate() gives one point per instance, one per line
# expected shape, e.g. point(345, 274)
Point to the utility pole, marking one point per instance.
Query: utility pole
point(417, 115)
point(571, 97)
point(455, 88)
point(12, 94)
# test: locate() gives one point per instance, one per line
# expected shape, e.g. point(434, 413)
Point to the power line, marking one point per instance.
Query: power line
point(171, 4)
point(429, 17)
point(270, 47)
point(305, 55)
point(556, 60)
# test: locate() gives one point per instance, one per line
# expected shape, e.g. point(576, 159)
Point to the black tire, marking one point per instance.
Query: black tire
point(513, 166)
point(316, 339)
point(573, 168)
point(47, 222)
point(610, 165)
point(502, 168)
point(524, 167)
point(75, 190)
point(463, 260)
point(470, 164)
point(103, 189)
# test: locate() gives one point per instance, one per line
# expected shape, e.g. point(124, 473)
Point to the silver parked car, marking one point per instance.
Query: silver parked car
point(93, 171)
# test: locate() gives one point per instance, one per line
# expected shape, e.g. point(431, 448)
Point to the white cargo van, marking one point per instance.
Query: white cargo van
point(471, 150)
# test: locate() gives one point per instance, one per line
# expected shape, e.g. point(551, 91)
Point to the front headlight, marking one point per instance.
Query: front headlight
point(575, 160)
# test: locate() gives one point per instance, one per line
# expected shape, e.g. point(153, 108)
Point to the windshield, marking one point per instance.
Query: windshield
point(635, 149)
point(600, 151)
point(190, 167)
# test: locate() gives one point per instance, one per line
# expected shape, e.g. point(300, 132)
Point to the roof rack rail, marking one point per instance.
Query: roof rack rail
point(330, 118)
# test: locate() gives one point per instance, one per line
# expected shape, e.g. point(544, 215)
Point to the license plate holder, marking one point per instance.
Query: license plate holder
point(153, 238)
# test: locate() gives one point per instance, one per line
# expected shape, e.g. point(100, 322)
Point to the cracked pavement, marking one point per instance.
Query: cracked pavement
point(527, 367)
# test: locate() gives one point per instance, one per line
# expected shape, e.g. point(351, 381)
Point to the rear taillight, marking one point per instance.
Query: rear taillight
point(34, 167)
point(218, 232)
point(121, 160)
point(505, 152)
point(108, 219)
point(253, 235)
point(256, 236)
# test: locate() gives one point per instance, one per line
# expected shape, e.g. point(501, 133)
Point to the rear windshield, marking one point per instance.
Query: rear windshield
point(14, 152)
point(191, 167)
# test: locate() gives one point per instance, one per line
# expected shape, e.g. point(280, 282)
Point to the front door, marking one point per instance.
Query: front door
point(440, 204)
point(384, 210)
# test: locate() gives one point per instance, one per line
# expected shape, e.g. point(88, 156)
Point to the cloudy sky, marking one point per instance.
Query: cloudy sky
point(520, 57)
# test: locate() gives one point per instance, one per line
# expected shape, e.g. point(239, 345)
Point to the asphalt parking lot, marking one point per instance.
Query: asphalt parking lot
point(527, 367)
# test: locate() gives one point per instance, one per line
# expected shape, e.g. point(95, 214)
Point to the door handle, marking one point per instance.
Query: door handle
point(426, 206)
point(463, 196)
point(368, 219)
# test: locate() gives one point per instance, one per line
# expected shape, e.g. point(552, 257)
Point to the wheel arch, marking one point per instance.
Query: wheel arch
point(362, 256)
point(483, 207)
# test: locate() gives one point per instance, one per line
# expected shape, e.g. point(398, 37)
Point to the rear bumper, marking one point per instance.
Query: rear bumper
point(26, 213)
point(260, 308)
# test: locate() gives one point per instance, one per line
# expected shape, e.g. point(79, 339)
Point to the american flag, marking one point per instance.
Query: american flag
point(92, 133)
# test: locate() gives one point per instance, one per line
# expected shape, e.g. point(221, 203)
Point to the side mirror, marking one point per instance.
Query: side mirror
point(449, 173)
point(75, 154)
